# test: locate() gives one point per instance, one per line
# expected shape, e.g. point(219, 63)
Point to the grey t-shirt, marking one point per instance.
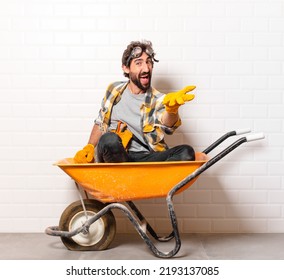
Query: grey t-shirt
point(127, 110)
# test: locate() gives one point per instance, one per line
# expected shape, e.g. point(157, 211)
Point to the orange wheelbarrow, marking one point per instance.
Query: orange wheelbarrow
point(89, 224)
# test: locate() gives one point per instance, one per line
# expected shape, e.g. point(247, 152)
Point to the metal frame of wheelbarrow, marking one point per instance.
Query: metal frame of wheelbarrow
point(140, 224)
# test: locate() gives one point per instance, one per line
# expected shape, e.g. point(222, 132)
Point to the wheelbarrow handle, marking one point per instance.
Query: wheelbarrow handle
point(212, 161)
point(242, 131)
point(224, 137)
point(254, 137)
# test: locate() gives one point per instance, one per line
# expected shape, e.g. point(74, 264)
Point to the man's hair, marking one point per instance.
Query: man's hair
point(144, 44)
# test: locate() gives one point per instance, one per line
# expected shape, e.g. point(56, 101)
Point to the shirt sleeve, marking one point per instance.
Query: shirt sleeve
point(99, 119)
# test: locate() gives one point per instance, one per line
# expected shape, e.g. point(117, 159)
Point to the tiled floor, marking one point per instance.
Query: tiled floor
point(38, 246)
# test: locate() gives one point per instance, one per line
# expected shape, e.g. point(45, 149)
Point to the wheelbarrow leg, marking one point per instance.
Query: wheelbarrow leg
point(148, 226)
point(141, 230)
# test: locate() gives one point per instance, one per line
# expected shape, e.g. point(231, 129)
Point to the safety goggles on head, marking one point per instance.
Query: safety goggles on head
point(137, 52)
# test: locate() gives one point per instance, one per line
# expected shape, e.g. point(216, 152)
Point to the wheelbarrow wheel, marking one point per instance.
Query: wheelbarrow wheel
point(101, 232)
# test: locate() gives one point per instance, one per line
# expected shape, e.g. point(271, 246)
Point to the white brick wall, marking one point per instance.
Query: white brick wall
point(58, 56)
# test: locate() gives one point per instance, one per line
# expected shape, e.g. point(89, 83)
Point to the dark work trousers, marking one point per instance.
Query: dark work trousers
point(110, 149)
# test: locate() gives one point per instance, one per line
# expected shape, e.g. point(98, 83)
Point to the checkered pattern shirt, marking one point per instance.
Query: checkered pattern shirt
point(151, 114)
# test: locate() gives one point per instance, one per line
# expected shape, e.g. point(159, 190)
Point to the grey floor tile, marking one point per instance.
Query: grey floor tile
point(37, 246)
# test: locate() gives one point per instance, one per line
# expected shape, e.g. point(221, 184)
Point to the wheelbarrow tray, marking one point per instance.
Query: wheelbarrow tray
point(117, 182)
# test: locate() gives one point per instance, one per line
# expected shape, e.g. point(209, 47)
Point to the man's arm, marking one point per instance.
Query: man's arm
point(96, 133)
point(169, 119)
point(86, 155)
point(172, 102)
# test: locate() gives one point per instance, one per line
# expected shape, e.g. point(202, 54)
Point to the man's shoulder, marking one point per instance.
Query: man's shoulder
point(115, 88)
point(157, 93)
point(117, 85)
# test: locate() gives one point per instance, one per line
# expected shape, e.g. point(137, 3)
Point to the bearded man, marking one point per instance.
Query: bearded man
point(134, 117)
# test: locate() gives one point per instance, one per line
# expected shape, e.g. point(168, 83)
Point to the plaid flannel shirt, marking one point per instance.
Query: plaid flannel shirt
point(151, 115)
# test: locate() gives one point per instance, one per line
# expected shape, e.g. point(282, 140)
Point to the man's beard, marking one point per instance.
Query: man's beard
point(137, 81)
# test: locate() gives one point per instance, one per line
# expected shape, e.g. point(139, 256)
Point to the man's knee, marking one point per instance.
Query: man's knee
point(187, 153)
point(110, 149)
point(109, 140)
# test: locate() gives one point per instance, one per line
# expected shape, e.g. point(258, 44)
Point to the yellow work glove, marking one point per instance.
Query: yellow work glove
point(86, 155)
point(173, 100)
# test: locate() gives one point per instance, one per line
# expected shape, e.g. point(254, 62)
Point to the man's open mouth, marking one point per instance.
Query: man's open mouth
point(144, 79)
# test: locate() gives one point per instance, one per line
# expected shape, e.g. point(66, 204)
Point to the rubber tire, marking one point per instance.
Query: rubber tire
point(92, 207)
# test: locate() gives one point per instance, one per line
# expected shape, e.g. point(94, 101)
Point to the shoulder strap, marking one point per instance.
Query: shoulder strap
point(136, 139)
